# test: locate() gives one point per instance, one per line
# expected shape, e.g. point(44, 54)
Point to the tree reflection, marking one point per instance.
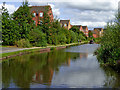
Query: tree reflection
point(34, 68)
point(112, 78)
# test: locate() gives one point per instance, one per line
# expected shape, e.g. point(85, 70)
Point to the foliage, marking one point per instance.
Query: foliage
point(46, 23)
point(23, 20)
point(75, 29)
point(23, 43)
point(109, 52)
point(19, 27)
point(10, 31)
point(38, 38)
point(80, 35)
point(62, 38)
point(73, 37)
point(90, 34)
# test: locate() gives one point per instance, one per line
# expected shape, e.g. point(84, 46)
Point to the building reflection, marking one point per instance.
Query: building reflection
point(68, 61)
point(45, 75)
point(83, 55)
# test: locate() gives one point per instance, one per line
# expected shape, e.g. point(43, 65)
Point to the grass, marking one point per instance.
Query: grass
point(18, 52)
point(37, 49)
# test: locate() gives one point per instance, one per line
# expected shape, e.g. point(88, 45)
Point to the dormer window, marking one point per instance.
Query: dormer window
point(41, 14)
point(34, 14)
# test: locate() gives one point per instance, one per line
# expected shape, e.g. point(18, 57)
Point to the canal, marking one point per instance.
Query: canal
point(73, 67)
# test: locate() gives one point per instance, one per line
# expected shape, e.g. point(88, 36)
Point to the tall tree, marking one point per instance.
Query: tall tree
point(23, 20)
point(46, 24)
point(109, 52)
point(8, 32)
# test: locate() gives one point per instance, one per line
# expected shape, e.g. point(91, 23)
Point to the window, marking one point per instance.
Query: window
point(40, 22)
point(34, 14)
point(65, 24)
point(41, 14)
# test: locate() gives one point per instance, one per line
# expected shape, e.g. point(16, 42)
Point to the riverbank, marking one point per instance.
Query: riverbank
point(36, 49)
point(115, 66)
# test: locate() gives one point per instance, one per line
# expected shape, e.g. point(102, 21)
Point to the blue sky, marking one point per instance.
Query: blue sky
point(93, 13)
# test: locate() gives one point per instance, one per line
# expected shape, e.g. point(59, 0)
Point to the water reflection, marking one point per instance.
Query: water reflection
point(71, 67)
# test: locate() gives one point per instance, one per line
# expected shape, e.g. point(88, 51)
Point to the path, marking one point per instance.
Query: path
point(13, 49)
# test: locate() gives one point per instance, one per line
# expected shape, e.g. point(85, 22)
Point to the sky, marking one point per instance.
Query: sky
point(91, 13)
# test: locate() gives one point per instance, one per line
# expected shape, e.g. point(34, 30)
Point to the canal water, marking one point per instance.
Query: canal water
point(73, 67)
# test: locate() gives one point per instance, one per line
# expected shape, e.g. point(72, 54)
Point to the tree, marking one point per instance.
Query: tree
point(90, 34)
point(46, 23)
point(38, 38)
point(80, 35)
point(9, 29)
point(75, 29)
point(23, 20)
point(109, 52)
point(73, 37)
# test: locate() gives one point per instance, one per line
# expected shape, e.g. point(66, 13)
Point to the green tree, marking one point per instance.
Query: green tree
point(9, 29)
point(61, 38)
point(46, 23)
point(109, 52)
point(75, 29)
point(73, 37)
point(80, 35)
point(38, 38)
point(23, 20)
point(90, 34)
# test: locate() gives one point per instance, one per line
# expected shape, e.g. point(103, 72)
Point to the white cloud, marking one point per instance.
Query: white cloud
point(94, 13)
point(90, 24)
point(10, 7)
point(56, 11)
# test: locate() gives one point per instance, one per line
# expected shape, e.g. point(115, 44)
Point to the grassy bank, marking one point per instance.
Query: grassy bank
point(38, 49)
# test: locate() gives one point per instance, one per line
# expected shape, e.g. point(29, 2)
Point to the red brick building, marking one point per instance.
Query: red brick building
point(38, 13)
point(85, 30)
point(94, 34)
point(65, 23)
point(97, 32)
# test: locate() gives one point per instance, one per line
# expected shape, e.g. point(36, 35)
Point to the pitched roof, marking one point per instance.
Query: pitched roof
point(98, 29)
point(64, 21)
point(37, 9)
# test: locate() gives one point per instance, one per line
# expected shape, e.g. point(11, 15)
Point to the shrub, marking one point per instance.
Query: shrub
point(61, 38)
point(73, 37)
point(23, 43)
point(109, 52)
point(38, 38)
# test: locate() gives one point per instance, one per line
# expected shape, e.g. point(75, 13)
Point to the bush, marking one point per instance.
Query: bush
point(38, 38)
point(73, 37)
point(23, 43)
point(109, 52)
point(62, 38)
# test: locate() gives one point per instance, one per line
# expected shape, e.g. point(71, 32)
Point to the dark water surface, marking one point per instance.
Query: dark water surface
point(74, 67)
